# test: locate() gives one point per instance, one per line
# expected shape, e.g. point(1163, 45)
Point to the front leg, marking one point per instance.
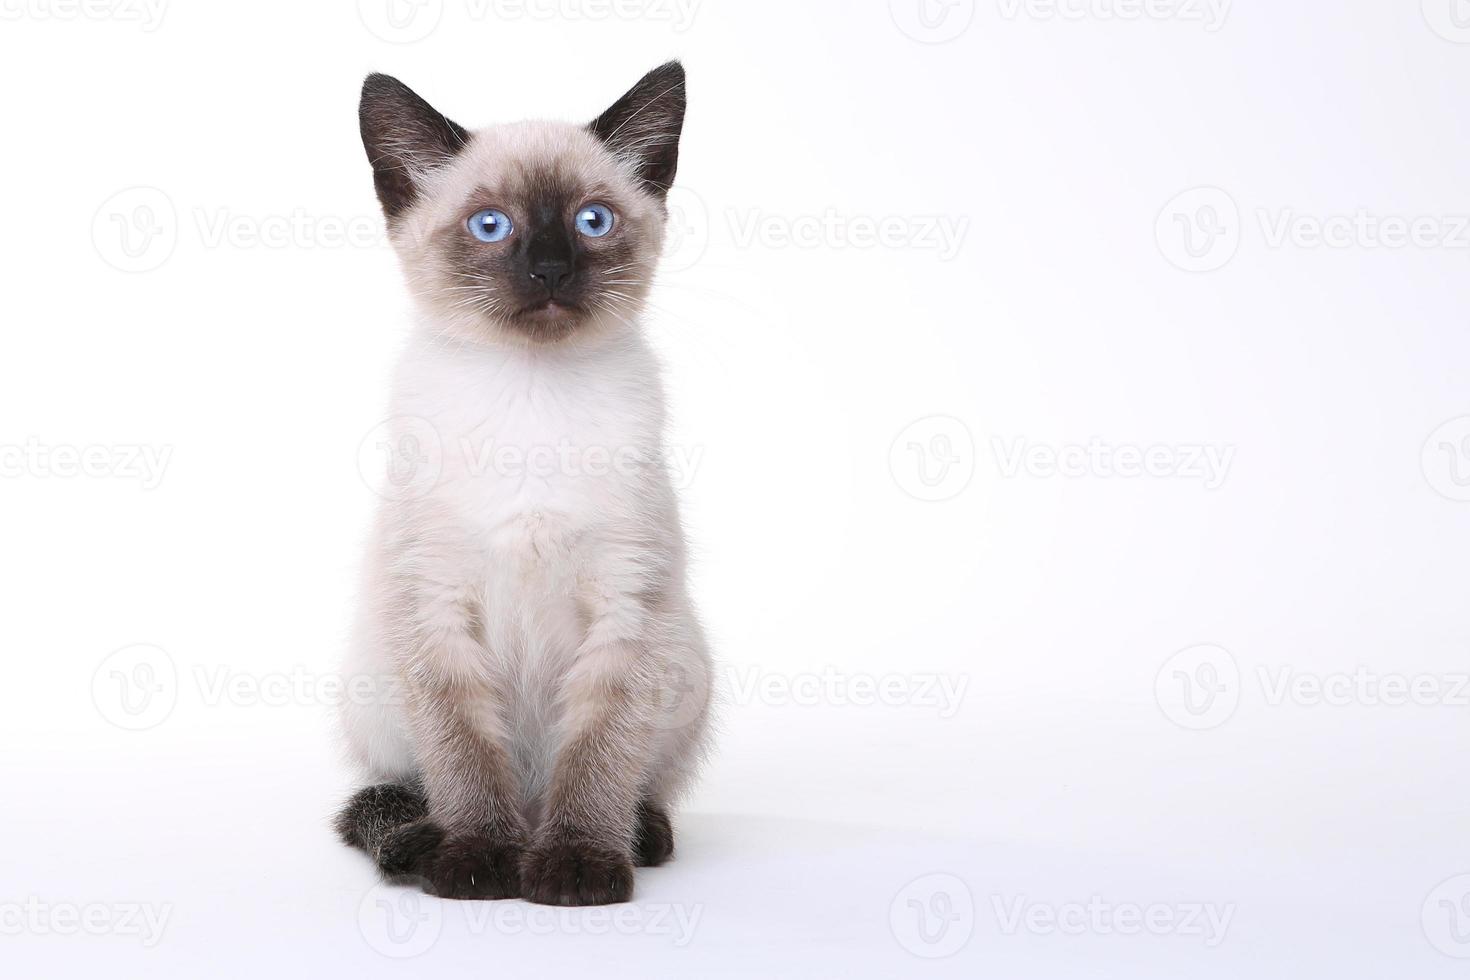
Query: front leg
point(583, 852)
point(471, 843)
point(473, 805)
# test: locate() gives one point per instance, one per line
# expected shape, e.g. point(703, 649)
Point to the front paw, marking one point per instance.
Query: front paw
point(477, 866)
point(407, 852)
point(576, 873)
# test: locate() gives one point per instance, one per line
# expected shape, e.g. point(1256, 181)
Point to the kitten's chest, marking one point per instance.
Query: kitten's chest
point(533, 454)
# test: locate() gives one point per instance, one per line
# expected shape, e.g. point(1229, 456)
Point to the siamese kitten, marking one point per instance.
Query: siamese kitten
point(529, 599)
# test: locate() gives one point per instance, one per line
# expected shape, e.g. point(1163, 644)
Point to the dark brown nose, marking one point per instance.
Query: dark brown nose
point(551, 273)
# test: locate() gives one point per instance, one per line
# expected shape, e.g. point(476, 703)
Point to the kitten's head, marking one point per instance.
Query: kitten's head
point(533, 230)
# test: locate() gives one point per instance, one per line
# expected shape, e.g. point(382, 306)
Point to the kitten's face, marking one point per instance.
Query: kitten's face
point(533, 231)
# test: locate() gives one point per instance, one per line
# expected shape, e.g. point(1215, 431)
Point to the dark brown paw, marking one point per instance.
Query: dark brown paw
point(475, 867)
point(408, 851)
point(576, 874)
point(655, 843)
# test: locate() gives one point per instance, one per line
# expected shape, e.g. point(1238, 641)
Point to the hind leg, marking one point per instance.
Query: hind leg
point(387, 820)
point(655, 841)
point(685, 698)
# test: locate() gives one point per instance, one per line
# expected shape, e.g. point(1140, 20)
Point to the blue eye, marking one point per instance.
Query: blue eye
point(489, 225)
point(595, 220)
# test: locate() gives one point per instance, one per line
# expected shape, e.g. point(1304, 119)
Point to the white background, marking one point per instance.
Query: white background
point(217, 317)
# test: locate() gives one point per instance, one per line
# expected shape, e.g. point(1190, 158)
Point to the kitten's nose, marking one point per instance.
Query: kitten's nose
point(551, 273)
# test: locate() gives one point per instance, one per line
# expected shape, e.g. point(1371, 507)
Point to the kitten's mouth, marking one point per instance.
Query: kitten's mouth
point(548, 309)
point(547, 319)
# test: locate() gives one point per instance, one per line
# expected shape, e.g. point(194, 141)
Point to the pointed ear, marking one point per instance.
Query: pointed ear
point(643, 126)
point(405, 139)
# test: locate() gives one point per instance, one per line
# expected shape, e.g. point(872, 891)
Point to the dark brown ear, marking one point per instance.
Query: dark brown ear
point(405, 138)
point(644, 125)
